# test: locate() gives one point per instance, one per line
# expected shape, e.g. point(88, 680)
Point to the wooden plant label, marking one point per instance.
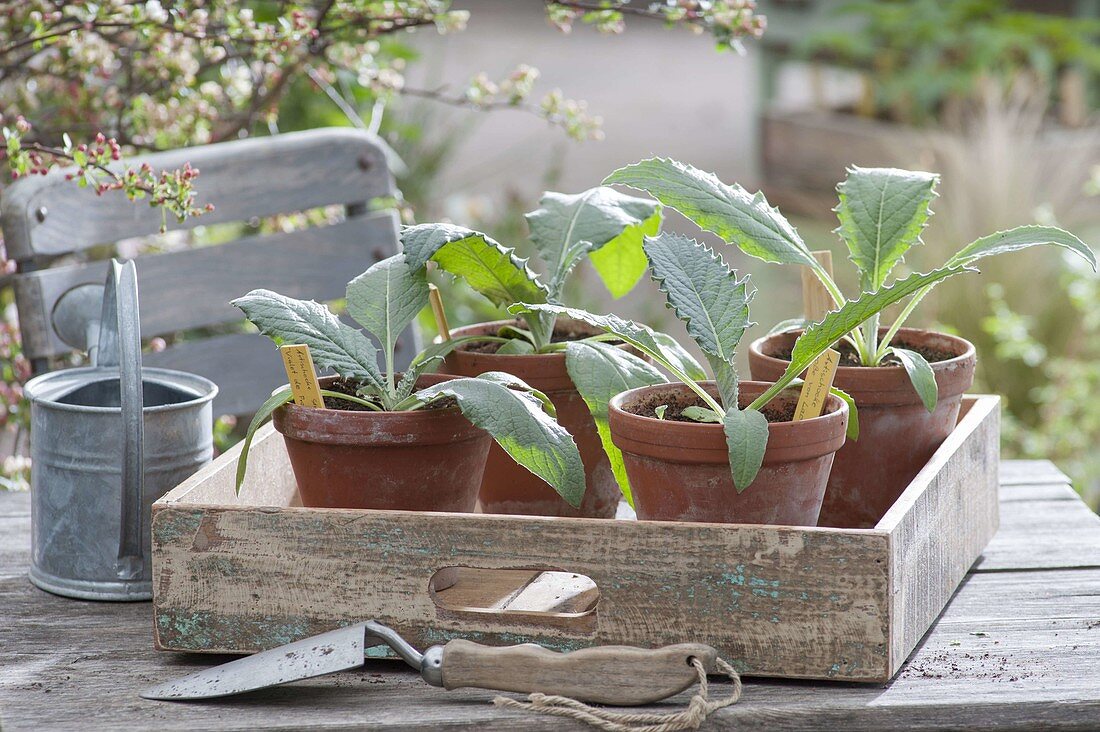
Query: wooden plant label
point(302, 376)
point(819, 377)
point(816, 302)
point(439, 312)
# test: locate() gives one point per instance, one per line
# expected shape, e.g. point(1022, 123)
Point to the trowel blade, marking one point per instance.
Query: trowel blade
point(337, 650)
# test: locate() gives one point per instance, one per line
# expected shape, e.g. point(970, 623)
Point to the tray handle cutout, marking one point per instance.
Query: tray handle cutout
point(517, 594)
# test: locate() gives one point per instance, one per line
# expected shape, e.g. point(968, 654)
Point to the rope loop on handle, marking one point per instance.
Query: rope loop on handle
point(691, 717)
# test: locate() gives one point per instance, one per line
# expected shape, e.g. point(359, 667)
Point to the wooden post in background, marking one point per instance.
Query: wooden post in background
point(816, 302)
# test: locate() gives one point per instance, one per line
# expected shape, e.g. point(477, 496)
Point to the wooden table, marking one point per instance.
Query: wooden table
point(1017, 648)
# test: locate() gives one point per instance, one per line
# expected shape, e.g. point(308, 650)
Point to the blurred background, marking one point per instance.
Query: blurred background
point(999, 97)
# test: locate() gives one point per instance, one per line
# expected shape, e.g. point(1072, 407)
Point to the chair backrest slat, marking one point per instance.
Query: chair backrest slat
point(47, 217)
point(245, 179)
point(192, 288)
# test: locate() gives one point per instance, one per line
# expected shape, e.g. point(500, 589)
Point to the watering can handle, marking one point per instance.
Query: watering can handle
point(120, 346)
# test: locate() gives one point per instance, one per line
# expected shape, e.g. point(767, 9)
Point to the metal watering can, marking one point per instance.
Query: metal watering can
point(107, 441)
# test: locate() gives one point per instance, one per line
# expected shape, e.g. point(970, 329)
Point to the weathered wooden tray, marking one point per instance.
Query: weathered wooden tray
point(242, 574)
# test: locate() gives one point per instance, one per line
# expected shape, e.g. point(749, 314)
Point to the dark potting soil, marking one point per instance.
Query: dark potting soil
point(563, 333)
point(779, 410)
point(849, 357)
point(349, 387)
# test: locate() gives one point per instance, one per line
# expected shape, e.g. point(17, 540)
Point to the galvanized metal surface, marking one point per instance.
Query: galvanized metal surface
point(107, 441)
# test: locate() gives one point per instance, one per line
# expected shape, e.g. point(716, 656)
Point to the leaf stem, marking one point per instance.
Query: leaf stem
point(902, 317)
point(354, 399)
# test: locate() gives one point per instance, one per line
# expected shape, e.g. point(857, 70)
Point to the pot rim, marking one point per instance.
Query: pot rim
point(370, 428)
point(968, 351)
point(786, 440)
point(886, 384)
point(546, 372)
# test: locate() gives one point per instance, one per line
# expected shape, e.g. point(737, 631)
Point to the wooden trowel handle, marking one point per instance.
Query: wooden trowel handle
point(621, 675)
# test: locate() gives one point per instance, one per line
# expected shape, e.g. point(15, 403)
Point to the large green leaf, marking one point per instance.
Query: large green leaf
point(566, 227)
point(273, 402)
point(386, 298)
point(488, 267)
point(708, 297)
point(747, 439)
point(921, 374)
point(1023, 237)
point(519, 425)
point(821, 335)
point(702, 291)
point(731, 212)
point(600, 371)
point(882, 212)
point(332, 344)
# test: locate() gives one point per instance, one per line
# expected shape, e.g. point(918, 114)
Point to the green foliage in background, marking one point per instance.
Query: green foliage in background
point(922, 56)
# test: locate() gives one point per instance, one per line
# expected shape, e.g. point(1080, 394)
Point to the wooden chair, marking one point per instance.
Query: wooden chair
point(47, 219)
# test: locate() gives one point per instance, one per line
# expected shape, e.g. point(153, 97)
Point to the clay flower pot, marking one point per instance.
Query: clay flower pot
point(897, 435)
point(680, 471)
point(512, 489)
point(427, 460)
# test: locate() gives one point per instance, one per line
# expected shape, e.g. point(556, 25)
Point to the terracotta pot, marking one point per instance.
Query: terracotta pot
point(897, 435)
point(512, 489)
point(680, 471)
point(427, 460)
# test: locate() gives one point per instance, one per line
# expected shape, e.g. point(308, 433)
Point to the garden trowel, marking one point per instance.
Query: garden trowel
point(621, 675)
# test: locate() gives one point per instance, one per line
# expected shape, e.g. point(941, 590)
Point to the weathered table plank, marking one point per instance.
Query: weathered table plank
point(1017, 648)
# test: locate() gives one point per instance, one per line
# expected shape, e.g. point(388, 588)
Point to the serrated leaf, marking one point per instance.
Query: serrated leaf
point(680, 356)
point(708, 297)
point(566, 227)
point(601, 371)
point(1023, 237)
point(747, 439)
point(819, 336)
point(882, 212)
point(488, 267)
point(921, 374)
point(332, 344)
point(701, 414)
point(273, 402)
point(387, 298)
point(740, 218)
point(515, 420)
point(703, 292)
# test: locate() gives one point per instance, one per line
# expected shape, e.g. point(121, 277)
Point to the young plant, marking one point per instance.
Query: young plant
point(882, 212)
point(601, 223)
point(384, 300)
point(713, 304)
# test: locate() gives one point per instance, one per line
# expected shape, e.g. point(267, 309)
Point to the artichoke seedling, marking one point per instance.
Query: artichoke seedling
point(882, 212)
point(713, 302)
point(601, 224)
point(384, 300)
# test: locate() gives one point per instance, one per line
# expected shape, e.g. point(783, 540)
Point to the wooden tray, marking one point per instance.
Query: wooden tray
point(242, 574)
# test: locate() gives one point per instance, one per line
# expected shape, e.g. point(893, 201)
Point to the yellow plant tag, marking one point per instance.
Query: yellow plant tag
point(302, 376)
point(815, 389)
